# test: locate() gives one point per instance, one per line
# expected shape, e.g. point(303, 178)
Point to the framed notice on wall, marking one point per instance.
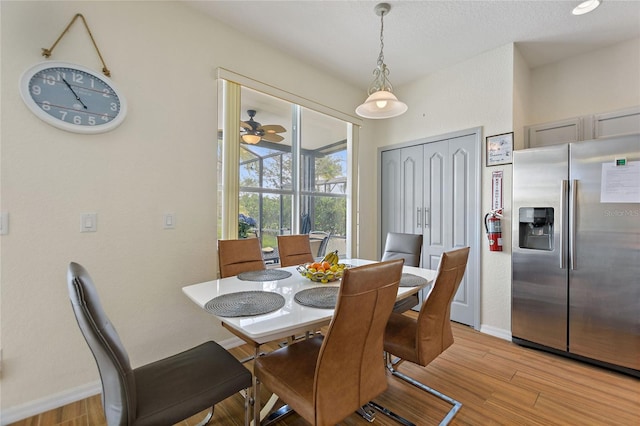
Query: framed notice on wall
point(499, 149)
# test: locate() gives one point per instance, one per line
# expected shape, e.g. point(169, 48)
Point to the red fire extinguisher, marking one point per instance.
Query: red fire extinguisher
point(494, 230)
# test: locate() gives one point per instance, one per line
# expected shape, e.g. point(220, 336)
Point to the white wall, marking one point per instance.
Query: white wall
point(600, 81)
point(162, 159)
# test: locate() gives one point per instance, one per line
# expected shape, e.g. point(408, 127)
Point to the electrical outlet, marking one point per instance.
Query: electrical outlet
point(89, 222)
point(169, 221)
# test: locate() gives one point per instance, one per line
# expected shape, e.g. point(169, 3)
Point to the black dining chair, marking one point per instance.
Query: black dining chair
point(408, 247)
point(163, 392)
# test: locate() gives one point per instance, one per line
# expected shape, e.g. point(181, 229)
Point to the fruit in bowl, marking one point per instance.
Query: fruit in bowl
point(323, 271)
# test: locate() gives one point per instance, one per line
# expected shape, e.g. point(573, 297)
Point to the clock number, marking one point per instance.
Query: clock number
point(77, 119)
point(46, 105)
point(36, 90)
point(106, 93)
point(77, 78)
point(63, 114)
point(49, 79)
point(104, 117)
point(92, 120)
point(114, 106)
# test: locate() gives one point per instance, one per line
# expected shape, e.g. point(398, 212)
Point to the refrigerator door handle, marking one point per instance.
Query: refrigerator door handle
point(572, 225)
point(563, 220)
point(419, 217)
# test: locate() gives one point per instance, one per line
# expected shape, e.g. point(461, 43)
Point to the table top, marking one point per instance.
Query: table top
point(292, 318)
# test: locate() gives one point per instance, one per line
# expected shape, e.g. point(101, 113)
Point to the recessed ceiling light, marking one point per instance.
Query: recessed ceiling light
point(586, 7)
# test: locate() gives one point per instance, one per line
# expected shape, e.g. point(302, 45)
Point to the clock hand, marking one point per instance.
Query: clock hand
point(74, 93)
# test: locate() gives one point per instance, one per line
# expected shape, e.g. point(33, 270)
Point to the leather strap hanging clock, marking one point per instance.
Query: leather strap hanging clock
point(72, 97)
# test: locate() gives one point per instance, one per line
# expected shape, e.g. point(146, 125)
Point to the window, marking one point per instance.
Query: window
point(294, 185)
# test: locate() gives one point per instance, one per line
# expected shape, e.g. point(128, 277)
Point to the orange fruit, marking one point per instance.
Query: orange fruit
point(316, 265)
point(326, 265)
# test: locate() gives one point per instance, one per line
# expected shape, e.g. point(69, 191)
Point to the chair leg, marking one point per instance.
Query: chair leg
point(456, 404)
point(248, 400)
point(207, 418)
point(256, 401)
point(390, 414)
point(367, 413)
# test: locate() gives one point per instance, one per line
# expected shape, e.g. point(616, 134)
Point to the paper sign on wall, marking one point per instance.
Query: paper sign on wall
point(496, 192)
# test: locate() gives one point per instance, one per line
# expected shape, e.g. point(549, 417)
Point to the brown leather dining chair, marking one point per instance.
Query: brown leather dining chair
point(237, 256)
point(408, 247)
point(422, 340)
point(327, 379)
point(163, 392)
point(294, 249)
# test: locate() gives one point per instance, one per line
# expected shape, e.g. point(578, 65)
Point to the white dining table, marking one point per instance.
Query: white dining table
point(293, 318)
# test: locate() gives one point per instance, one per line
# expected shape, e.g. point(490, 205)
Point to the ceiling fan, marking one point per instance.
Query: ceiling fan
point(253, 132)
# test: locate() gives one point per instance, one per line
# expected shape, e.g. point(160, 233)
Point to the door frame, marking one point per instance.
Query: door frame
point(475, 209)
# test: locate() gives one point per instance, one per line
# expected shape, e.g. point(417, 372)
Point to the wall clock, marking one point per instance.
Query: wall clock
point(72, 97)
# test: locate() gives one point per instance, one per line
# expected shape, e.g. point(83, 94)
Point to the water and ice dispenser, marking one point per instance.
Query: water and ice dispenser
point(536, 228)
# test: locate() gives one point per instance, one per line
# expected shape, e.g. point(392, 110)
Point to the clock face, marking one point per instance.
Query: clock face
point(72, 97)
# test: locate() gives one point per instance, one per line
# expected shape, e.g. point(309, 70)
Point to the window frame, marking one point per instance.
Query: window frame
point(229, 107)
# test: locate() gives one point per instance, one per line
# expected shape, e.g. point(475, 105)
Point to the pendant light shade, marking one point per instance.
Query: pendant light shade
point(251, 139)
point(381, 103)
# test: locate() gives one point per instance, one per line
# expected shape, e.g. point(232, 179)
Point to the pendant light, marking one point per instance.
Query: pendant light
point(381, 103)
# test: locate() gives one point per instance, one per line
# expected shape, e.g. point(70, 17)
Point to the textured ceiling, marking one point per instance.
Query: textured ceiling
point(343, 37)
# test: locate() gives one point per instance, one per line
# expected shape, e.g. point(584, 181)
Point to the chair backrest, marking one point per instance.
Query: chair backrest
point(118, 383)
point(403, 246)
point(294, 249)
point(350, 369)
point(323, 238)
point(433, 334)
point(242, 255)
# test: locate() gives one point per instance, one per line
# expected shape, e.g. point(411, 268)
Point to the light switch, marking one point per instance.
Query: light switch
point(169, 221)
point(89, 222)
point(4, 223)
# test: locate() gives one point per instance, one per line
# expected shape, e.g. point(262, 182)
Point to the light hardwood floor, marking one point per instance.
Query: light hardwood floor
point(498, 383)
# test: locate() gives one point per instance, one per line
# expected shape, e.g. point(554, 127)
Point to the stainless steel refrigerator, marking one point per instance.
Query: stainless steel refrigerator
point(576, 251)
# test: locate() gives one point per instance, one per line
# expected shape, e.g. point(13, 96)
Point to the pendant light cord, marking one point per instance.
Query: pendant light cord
point(381, 56)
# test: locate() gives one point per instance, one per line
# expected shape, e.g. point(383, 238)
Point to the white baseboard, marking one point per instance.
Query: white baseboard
point(20, 412)
point(496, 332)
point(32, 408)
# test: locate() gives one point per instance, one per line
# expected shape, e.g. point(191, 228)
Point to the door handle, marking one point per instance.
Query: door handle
point(564, 193)
point(572, 225)
point(426, 217)
point(419, 218)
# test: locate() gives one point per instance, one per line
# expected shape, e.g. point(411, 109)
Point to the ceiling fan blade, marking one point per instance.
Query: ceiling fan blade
point(272, 128)
point(272, 137)
point(245, 125)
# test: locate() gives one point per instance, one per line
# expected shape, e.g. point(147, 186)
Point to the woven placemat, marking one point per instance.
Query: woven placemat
point(410, 280)
point(318, 297)
point(245, 303)
point(264, 275)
